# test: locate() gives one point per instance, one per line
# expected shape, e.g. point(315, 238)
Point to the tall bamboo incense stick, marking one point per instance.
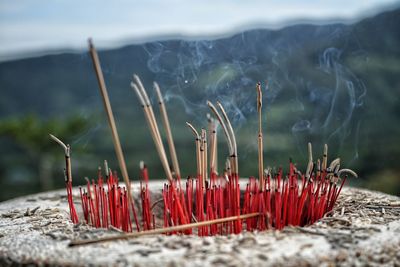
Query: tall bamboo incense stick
point(260, 137)
point(164, 230)
point(110, 116)
point(167, 127)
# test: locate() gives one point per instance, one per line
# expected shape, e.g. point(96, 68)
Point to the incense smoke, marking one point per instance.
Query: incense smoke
point(305, 69)
point(341, 100)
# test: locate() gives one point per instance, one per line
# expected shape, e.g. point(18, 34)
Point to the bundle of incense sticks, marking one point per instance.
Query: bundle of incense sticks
point(209, 203)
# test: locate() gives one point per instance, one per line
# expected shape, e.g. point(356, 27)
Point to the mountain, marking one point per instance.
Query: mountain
point(324, 83)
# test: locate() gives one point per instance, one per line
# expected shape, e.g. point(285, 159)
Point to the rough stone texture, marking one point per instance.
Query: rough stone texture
point(364, 229)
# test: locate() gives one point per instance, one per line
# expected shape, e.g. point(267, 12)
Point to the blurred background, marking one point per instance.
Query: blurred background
point(330, 72)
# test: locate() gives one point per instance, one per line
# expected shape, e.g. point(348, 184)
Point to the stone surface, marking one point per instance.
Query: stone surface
point(363, 229)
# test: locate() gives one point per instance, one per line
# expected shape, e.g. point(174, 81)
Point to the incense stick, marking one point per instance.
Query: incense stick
point(212, 129)
point(228, 166)
point(222, 123)
point(167, 127)
point(229, 128)
point(67, 152)
point(198, 144)
point(153, 128)
point(310, 161)
point(204, 157)
point(325, 158)
point(110, 116)
point(164, 230)
point(68, 178)
point(260, 137)
point(211, 141)
point(234, 156)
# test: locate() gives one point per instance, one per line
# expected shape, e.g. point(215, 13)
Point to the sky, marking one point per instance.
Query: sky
point(32, 26)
